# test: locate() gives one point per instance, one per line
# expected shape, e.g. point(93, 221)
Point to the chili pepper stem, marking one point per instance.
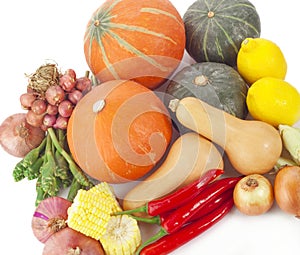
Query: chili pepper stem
point(141, 209)
point(152, 220)
point(161, 233)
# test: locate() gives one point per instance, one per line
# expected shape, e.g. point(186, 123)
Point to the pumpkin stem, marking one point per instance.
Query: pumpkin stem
point(201, 80)
point(210, 14)
point(97, 23)
point(98, 106)
point(173, 104)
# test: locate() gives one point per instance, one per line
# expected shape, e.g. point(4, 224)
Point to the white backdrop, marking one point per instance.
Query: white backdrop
point(34, 31)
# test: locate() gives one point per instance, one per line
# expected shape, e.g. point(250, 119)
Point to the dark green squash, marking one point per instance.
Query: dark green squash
point(217, 84)
point(216, 29)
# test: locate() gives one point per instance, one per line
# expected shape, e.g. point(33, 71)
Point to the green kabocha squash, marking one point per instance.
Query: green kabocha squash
point(217, 84)
point(216, 29)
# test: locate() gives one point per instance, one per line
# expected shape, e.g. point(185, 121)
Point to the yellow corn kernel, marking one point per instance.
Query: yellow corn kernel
point(122, 236)
point(92, 209)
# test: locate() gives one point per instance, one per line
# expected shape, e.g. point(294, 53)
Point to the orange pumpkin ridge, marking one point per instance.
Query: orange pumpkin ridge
point(139, 40)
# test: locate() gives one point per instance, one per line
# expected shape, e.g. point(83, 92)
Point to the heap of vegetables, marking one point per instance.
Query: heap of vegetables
point(91, 219)
point(39, 135)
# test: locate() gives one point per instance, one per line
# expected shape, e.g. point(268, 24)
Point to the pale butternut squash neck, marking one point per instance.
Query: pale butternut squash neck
point(205, 120)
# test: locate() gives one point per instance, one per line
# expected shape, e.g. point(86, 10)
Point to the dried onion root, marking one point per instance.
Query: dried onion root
point(45, 76)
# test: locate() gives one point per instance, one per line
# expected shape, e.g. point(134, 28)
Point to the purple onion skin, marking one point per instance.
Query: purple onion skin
point(50, 217)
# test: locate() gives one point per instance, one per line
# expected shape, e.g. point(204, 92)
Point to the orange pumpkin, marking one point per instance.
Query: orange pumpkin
point(135, 40)
point(119, 131)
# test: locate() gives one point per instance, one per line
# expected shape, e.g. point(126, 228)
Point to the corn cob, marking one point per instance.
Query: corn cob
point(92, 209)
point(122, 236)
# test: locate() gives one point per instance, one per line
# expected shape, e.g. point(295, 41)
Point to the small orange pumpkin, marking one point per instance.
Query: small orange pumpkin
point(119, 131)
point(135, 40)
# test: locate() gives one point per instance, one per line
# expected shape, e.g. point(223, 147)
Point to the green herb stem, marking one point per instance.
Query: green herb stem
point(75, 170)
point(75, 186)
point(19, 172)
point(49, 183)
point(34, 154)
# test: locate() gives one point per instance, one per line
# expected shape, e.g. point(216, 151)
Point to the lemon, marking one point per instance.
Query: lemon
point(258, 58)
point(274, 101)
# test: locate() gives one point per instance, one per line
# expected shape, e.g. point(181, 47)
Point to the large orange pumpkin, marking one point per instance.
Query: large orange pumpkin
point(119, 131)
point(141, 40)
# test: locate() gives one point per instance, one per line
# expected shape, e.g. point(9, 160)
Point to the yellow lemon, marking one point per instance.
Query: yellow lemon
point(258, 58)
point(274, 101)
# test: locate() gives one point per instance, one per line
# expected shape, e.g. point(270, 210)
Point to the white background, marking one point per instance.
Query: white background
point(35, 31)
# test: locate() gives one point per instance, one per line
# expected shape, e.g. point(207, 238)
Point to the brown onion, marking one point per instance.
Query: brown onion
point(253, 195)
point(71, 242)
point(50, 217)
point(287, 189)
point(17, 137)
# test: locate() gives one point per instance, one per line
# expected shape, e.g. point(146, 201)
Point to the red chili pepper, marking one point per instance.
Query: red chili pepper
point(208, 208)
point(171, 242)
point(177, 198)
point(213, 205)
point(185, 213)
point(172, 222)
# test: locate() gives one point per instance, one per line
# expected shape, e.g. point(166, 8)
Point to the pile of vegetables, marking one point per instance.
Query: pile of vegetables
point(84, 135)
point(39, 135)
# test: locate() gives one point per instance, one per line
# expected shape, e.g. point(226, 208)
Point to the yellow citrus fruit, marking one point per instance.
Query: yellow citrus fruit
point(258, 58)
point(274, 101)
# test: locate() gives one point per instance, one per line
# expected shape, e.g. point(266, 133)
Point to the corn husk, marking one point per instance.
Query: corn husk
point(291, 141)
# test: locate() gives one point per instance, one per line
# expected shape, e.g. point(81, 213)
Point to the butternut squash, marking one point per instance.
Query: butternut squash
point(251, 146)
point(188, 158)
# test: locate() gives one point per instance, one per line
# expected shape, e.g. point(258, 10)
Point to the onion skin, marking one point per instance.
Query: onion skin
point(71, 242)
point(253, 195)
point(18, 137)
point(287, 189)
point(50, 217)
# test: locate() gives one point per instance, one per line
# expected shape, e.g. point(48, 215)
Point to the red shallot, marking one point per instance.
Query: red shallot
point(55, 94)
point(26, 100)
